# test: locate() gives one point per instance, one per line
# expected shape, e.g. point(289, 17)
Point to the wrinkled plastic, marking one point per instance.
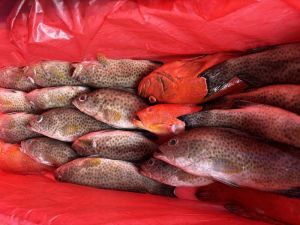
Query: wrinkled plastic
point(76, 30)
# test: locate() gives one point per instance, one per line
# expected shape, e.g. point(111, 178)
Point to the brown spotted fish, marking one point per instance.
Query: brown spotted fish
point(276, 65)
point(110, 174)
point(285, 96)
point(114, 107)
point(54, 97)
point(261, 120)
point(14, 101)
point(115, 73)
point(171, 175)
point(13, 127)
point(115, 144)
point(13, 78)
point(48, 151)
point(65, 124)
point(51, 73)
point(233, 158)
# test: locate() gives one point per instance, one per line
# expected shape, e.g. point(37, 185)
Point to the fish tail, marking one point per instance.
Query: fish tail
point(163, 189)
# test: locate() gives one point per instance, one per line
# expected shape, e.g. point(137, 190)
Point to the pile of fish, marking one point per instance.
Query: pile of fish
point(86, 120)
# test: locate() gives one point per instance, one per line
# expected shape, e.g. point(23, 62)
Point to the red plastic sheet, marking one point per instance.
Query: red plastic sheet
point(160, 30)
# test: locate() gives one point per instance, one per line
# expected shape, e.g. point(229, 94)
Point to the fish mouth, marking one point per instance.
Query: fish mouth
point(159, 155)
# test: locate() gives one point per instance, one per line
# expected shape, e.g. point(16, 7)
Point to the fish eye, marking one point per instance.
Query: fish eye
point(40, 119)
point(152, 99)
point(173, 141)
point(151, 162)
point(82, 98)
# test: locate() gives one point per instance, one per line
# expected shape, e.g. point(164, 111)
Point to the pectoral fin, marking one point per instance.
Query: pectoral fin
point(225, 166)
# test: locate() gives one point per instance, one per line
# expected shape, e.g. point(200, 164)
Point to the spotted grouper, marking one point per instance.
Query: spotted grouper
point(110, 174)
point(51, 73)
point(116, 144)
point(54, 97)
point(65, 124)
point(14, 127)
point(257, 119)
point(14, 101)
point(285, 96)
point(14, 78)
point(113, 73)
point(114, 107)
point(48, 151)
point(234, 158)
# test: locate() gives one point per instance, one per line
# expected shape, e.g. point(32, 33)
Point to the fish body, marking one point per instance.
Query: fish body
point(114, 107)
point(261, 120)
point(48, 151)
point(276, 65)
point(51, 73)
point(233, 158)
point(14, 101)
point(13, 78)
point(285, 96)
point(110, 174)
point(179, 81)
point(14, 161)
point(171, 175)
point(54, 97)
point(13, 127)
point(115, 144)
point(112, 73)
point(65, 124)
point(162, 119)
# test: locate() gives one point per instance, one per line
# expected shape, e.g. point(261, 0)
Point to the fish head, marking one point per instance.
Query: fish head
point(43, 124)
point(153, 168)
point(162, 119)
point(86, 103)
point(173, 151)
point(81, 71)
point(158, 86)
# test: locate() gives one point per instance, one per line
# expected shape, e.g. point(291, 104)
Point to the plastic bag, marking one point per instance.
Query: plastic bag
point(76, 30)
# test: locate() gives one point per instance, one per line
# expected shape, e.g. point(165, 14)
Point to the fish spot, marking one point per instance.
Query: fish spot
point(70, 129)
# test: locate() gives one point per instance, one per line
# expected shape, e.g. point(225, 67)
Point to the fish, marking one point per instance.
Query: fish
point(112, 73)
point(265, 121)
point(274, 65)
point(14, 78)
point(115, 144)
point(14, 101)
point(260, 205)
point(285, 96)
point(114, 107)
point(51, 73)
point(110, 174)
point(234, 158)
point(180, 82)
point(12, 160)
point(65, 124)
point(162, 119)
point(48, 151)
point(167, 174)
point(54, 97)
point(13, 127)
